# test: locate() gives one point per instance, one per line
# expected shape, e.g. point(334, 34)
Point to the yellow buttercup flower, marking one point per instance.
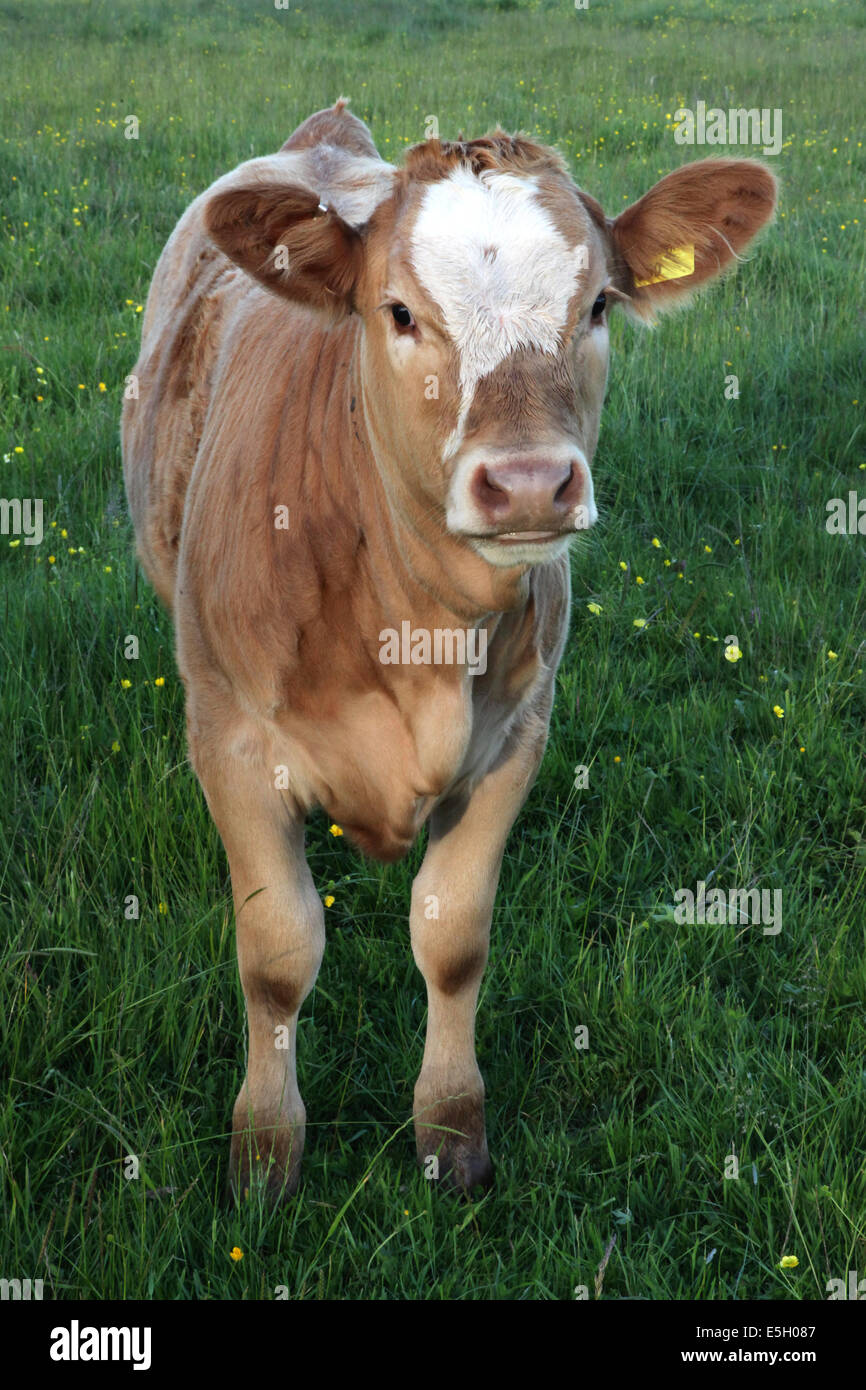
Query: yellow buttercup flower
point(594, 607)
point(778, 711)
point(733, 653)
point(335, 830)
point(329, 900)
point(236, 1253)
point(788, 1262)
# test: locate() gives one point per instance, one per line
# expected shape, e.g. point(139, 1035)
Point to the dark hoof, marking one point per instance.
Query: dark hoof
point(467, 1173)
point(251, 1172)
point(455, 1166)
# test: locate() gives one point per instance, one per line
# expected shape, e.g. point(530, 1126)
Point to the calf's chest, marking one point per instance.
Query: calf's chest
point(379, 760)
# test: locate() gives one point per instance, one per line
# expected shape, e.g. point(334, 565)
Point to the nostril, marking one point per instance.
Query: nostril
point(487, 491)
point(560, 494)
point(571, 490)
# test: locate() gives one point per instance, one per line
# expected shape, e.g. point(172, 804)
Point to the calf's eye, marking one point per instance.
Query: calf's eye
point(402, 316)
point(598, 306)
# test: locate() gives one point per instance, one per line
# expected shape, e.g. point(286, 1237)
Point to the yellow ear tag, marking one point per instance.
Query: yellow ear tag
point(673, 266)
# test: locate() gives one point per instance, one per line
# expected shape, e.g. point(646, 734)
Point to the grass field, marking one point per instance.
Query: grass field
point(126, 1037)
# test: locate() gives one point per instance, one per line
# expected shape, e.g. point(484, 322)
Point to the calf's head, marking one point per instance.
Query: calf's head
point(484, 280)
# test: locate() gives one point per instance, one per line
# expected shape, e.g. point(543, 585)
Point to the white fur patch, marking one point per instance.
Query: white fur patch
point(353, 185)
point(502, 274)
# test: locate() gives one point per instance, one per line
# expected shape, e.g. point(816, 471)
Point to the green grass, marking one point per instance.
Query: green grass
point(126, 1037)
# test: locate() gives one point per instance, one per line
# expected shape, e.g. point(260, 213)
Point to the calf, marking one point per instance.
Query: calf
point(369, 398)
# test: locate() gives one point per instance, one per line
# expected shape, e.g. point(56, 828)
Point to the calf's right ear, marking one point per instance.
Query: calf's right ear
point(289, 241)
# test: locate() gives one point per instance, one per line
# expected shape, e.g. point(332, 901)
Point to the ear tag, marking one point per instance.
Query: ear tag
point(673, 266)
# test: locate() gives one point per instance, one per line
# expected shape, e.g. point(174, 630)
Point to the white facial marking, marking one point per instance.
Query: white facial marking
point(491, 257)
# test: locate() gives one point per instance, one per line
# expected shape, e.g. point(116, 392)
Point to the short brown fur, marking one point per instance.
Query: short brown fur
point(270, 388)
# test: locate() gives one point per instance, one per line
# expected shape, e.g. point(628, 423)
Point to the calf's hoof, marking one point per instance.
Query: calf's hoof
point(454, 1153)
point(272, 1166)
point(460, 1168)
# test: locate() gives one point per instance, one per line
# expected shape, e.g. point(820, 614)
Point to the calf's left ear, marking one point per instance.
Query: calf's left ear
point(691, 226)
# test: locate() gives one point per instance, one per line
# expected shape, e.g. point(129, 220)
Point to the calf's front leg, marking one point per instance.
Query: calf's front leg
point(280, 941)
point(452, 907)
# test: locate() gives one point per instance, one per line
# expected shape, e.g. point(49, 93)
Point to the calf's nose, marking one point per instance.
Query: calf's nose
point(539, 495)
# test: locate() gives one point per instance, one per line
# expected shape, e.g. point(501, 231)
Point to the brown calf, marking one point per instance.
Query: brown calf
point(369, 398)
